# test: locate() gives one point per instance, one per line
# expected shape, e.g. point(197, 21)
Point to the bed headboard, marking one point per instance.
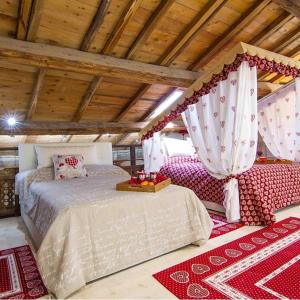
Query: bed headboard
point(28, 161)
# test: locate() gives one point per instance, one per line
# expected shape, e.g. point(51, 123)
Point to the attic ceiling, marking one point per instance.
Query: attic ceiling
point(116, 60)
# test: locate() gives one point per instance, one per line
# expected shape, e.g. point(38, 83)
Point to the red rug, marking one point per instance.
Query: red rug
point(221, 226)
point(19, 276)
point(261, 265)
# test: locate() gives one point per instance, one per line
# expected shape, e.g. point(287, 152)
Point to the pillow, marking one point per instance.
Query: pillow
point(69, 166)
point(45, 154)
point(176, 147)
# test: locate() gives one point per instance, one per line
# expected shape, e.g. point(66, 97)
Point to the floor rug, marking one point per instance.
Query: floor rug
point(261, 265)
point(221, 226)
point(19, 276)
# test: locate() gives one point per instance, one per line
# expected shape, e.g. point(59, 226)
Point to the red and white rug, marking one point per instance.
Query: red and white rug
point(261, 265)
point(19, 275)
point(221, 226)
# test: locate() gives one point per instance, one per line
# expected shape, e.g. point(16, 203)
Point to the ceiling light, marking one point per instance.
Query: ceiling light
point(11, 121)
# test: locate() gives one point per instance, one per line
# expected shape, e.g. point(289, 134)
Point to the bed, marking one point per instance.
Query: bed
point(263, 189)
point(84, 229)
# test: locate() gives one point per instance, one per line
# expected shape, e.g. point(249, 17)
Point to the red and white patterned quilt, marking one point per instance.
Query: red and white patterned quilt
point(263, 189)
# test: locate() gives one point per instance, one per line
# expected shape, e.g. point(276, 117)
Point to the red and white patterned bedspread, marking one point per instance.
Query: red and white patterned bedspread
point(263, 189)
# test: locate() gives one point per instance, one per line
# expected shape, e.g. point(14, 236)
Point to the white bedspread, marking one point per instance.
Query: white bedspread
point(91, 230)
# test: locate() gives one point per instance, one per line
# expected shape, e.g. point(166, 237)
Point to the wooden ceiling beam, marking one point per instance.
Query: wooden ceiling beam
point(271, 29)
point(35, 19)
point(149, 27)
point(141, 92)
point(230, 34)
point(95, 25)
point(189, 33)
point(35, 94)
point(123, 21)
point(69, 128)
point(292, 6)
point(65, 59)
point(24, 11)
point(87, 98)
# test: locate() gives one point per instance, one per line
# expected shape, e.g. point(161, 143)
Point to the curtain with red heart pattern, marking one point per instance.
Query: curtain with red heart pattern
point(279, 122)
point(223, 129)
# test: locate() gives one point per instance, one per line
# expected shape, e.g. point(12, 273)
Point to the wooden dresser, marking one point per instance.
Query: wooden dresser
point(9, 204)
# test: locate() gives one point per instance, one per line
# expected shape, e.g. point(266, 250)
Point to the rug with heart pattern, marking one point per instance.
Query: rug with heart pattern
point(261, 265)
point(221, 226)
point(19, 275)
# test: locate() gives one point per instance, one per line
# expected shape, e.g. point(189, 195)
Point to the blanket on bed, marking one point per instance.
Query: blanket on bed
point(263, 189)
point(90, 230)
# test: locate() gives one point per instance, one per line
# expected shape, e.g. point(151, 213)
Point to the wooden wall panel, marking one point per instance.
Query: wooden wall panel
point(8, 17)
point(59, 98)
point(15, 92)
point(65, 22)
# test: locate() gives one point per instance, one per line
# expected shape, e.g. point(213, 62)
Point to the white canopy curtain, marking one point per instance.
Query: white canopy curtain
point(223, 129)
point(154, 153)
point(279, 122)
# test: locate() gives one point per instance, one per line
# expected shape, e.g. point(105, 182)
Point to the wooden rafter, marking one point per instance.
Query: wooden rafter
point(95, 25)
point(125, 18)
point(97, 138)
point(141, 92)
point(86, 99)
point(189, 33)
point(23, 18)
point(287, 40)
point(292, 6)
point(35, 19)
point(233, 30)
point(35, 94)
point(149, 27)
point(72, 128)
point(271, 29)
point(65, 59)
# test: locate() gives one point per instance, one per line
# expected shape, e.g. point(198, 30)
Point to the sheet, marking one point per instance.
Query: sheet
point(91, 230)
point(263, 189)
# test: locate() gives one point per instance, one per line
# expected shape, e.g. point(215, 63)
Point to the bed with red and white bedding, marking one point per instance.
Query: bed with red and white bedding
point(263, 189)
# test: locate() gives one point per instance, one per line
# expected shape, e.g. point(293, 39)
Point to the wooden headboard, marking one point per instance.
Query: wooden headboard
point(28, 161)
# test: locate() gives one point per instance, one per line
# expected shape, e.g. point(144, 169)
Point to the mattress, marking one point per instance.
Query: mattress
point(90, 230)
point(262, 190)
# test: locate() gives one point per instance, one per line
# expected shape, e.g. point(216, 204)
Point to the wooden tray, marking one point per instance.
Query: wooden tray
point(125, 186)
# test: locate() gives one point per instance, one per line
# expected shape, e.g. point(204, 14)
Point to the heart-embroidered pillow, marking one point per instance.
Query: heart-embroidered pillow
point(69, 166)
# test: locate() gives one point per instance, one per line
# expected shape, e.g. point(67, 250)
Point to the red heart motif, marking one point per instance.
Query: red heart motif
point(270, 235)
point(71, 161)
point(215, 114)
point(251, 92)
point(200, 269)
point(233, 82)
point(247, 246)
point(258, 241)
point(252, 143)
point(287, 99)
point(217, 260)
point(223, 148)
point(233, 108)
point(289, 226)
point(295, 222)
point(222, 123)
point(233, 253)
point(195, 290)
point(280, 230)
point(213, 90)
point(192, 108)
point(222, 99)
point(180, 276)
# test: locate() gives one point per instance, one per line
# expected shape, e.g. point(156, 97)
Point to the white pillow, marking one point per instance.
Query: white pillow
point(45, 154)
point(176, 147)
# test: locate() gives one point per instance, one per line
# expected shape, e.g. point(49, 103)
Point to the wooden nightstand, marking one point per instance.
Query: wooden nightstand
point(9, 203)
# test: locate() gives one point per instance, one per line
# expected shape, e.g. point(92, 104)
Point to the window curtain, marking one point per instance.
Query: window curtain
point(154, 153)
point(223, 129)
point(279, 122)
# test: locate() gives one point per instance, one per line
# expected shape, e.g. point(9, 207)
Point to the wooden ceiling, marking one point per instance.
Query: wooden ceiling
point(97, 62)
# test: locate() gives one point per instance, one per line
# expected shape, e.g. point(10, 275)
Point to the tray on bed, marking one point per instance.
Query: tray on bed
point(125, 186)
